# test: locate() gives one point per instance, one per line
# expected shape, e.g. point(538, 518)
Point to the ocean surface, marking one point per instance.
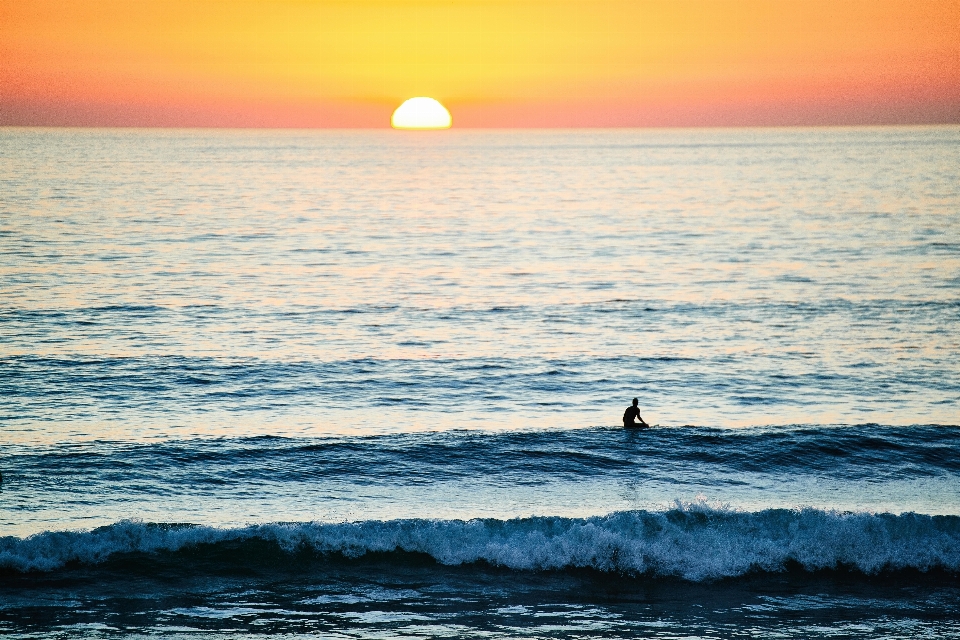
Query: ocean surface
point(369, 384)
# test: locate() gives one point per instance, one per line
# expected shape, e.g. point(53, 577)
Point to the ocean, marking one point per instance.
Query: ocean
point(369, 384)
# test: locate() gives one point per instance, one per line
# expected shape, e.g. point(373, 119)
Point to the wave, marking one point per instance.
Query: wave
point(872, 452)
point(695, 542)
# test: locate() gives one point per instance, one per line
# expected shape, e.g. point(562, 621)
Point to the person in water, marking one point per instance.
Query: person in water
point(633, 412)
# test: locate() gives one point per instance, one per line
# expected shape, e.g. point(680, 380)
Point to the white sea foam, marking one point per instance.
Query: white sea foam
point(693, 541)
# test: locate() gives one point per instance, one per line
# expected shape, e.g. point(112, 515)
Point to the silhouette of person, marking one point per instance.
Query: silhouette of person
point(633, 411)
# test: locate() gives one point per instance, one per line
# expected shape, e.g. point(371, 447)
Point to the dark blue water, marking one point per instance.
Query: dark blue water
point(368, 384)
point(440, 533)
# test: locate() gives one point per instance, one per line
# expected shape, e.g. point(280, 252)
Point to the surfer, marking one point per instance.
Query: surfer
point(633, 412)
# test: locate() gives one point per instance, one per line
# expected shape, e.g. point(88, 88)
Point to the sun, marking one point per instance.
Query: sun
point(421, 113)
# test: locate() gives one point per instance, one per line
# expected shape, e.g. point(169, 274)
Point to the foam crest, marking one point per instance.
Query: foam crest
point(693, 541)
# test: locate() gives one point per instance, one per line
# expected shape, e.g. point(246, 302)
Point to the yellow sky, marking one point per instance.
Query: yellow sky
point(493, 62)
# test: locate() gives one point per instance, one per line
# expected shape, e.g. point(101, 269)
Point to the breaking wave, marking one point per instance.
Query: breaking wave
point(695, 542)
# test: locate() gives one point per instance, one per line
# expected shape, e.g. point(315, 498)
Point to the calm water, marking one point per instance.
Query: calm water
point(355, 384)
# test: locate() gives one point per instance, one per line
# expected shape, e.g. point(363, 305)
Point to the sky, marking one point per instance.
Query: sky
point(493, 63)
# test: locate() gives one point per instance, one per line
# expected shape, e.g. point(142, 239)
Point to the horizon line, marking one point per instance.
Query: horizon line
point(187, 127)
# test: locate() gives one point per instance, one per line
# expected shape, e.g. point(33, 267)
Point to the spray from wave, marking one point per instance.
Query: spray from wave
point(694, 541)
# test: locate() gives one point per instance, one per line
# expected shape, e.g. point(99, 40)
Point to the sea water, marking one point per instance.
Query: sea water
point(369, 384)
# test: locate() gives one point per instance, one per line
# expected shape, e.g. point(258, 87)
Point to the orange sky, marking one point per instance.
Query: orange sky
point(348, 63)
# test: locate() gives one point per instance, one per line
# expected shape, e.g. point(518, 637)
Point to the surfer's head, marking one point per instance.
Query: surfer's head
point(635, 401)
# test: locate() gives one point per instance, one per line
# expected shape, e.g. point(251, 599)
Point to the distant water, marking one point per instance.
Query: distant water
point(368, 384)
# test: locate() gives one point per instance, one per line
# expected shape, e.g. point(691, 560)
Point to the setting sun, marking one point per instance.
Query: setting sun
point(421, 113)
